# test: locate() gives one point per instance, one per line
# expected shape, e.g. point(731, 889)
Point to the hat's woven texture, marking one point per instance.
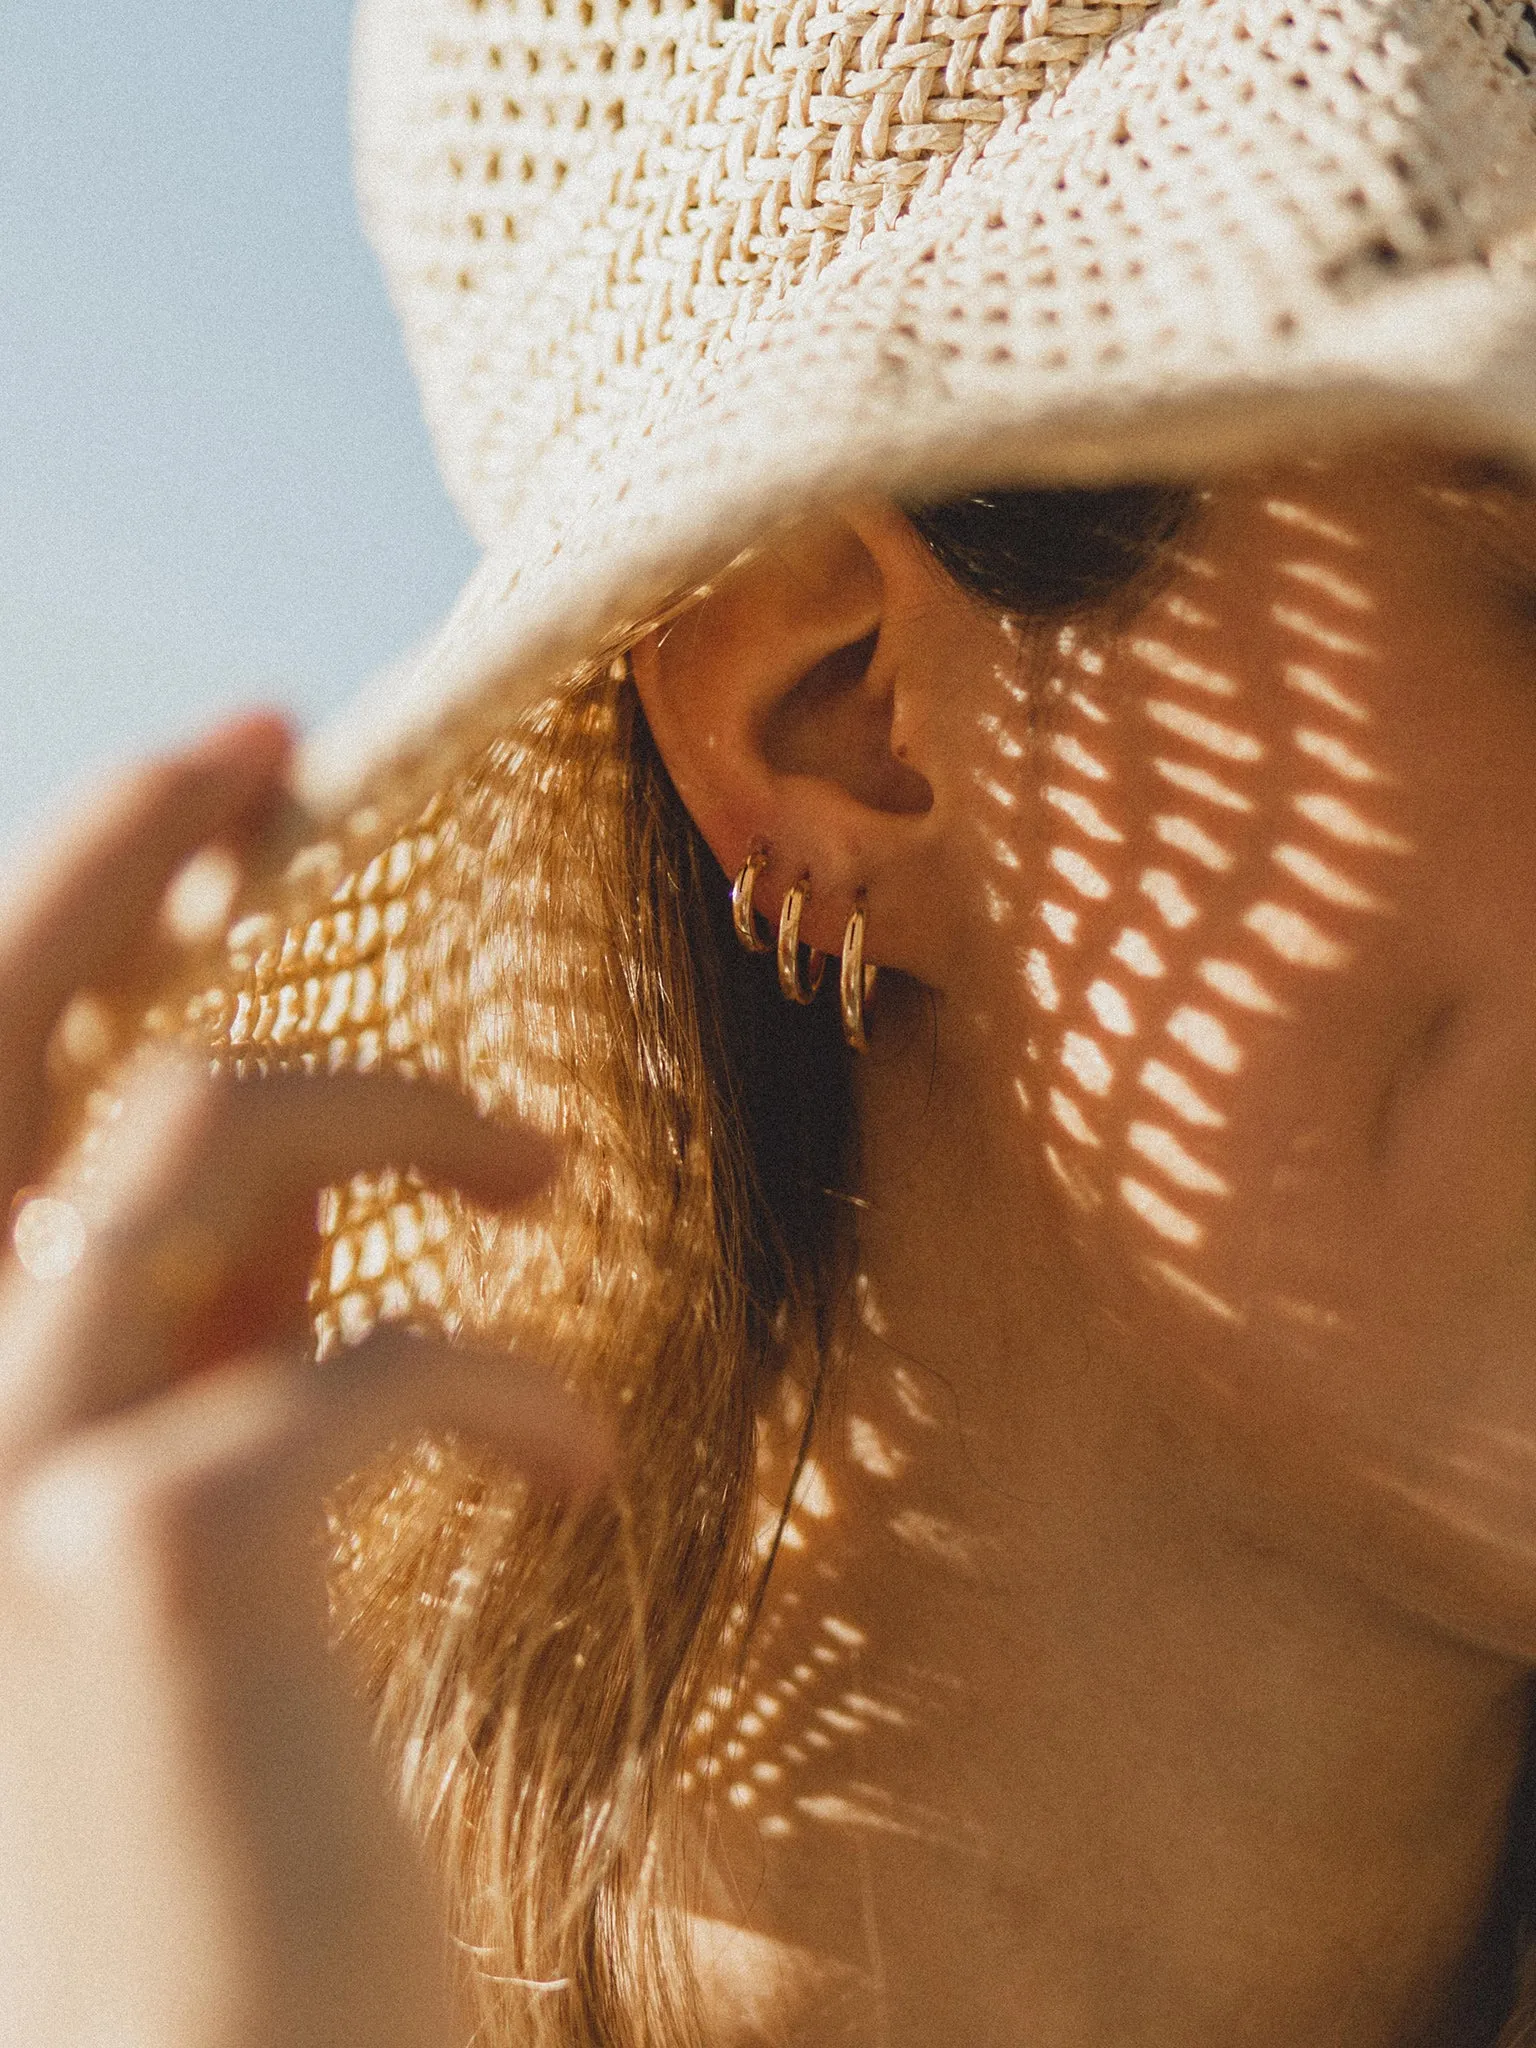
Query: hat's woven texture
point(668, 271)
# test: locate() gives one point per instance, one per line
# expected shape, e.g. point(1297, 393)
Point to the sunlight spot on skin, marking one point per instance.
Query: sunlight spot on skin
point(1178, 668)
point(1343, 822)
point(1079, 1189)
point(1084, 813)
point(1111, 1009)
point(844, 1632)
point(1317, 576)
point(1296, 939)
point(1163, 1150)
point(1191, 1291)
point(1307, 521)
point(833, 1810)
point(1071, 752)
point(1078, 872)
point(1136, 951)
point(1200, 782)
point(868, 1307)
point(1305, 627)
point(1060, 922)
point(875, 1710)
point(1084, 1060)
point(1186, 613)
point(911, 1399)
point(845, 1724)
point(872, 1451)
point(1232, 980)
point(1040, 979)
point(1164, 1218)
point(997, 791)
point(1223, 740)
point(1072, 1120)
point(1511, 1548)
point(1325, 881)
point(1206, 1038)
point(1308, 1315)
point(1089, 707)
point(1185, 835)
point(1168, 896)
point(1010, 747)
point(793, 1403)
point(1332, 753)
point(1177, 1094)
point(1311, 682)
point(812, 1494)
point(934, 1536)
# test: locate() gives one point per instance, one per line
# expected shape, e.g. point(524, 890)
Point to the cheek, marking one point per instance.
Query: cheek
point(1272, 988)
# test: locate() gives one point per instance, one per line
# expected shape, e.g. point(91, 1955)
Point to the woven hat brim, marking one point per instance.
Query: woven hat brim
point(929, 358)
point(1456, 364)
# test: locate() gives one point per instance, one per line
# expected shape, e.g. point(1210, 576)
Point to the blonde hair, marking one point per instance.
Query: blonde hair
point(550, 936)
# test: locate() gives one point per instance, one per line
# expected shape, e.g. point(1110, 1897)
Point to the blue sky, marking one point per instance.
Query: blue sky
point(214, 484)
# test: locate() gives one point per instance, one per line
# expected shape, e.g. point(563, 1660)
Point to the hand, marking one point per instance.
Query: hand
point(197, 1847)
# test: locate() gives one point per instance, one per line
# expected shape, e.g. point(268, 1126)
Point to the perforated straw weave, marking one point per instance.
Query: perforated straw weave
point(671, 271)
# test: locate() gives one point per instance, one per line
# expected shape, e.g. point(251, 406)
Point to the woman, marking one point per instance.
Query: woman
point(1061, 1569)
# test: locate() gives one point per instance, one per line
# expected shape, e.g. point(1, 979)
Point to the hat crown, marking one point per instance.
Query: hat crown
point(578, 201)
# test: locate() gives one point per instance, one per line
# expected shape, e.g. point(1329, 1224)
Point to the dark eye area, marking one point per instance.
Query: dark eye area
point(1052, 553)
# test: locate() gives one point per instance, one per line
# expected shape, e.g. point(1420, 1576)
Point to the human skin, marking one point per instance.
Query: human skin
point(1150, 1660)
point(197, 1842)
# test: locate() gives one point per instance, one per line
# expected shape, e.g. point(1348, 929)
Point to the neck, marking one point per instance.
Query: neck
point(1051, 1738)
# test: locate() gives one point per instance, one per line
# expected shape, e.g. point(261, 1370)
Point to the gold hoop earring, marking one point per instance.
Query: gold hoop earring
point(856, 982)
point(743, 917)
point(789, 947)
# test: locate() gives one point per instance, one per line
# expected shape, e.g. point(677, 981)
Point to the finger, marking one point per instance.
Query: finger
point(87, 900)
point(224, 1478)
point(204, 1176)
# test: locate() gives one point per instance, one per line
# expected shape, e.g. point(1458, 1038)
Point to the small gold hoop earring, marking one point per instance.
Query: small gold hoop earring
point(789, 947)
point(743, 917)
point(856, 982)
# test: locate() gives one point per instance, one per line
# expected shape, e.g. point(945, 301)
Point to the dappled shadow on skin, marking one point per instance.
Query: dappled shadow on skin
point(1273, 933)
point(795, 1744)
point(1256, 862)
point(1214, 853)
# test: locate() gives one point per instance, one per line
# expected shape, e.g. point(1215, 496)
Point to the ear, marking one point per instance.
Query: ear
point(798, 710)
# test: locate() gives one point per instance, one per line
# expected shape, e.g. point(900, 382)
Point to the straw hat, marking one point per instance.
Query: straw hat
point(670, 270)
